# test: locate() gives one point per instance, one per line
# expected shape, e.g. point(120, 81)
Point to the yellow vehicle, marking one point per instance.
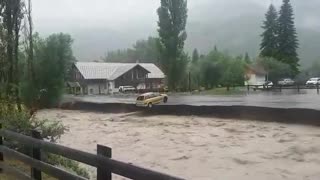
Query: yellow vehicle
point(149, 99)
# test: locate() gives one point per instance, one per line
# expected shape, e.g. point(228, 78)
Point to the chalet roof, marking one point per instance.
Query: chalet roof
point(257, 69)
point(73, 84)
point(111, 71)
point(155, 72)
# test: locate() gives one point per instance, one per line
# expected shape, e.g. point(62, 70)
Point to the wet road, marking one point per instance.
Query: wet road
point(288, 99)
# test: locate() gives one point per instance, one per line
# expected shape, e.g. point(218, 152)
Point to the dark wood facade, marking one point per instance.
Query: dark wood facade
point(134, 77)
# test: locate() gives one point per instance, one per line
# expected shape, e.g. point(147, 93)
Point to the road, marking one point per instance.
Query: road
point(288, 99)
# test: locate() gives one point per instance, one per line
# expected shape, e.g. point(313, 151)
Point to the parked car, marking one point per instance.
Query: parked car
point(264, 85)
point(126, 89)
point(149, 99)
point(286, 82)
point(313, 82)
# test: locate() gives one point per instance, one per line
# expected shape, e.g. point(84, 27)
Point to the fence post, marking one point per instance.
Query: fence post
point(36, 154)
point(1, 143)
point(298, 88)
point(104, 173)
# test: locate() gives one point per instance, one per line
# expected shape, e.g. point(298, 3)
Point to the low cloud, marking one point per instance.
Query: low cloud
point(101, 25)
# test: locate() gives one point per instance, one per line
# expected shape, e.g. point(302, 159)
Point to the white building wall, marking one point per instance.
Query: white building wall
point(93, 89)
point(97, 88)
point(112, 87)
point(260, 79)
point(141, 86)
point(255, 79)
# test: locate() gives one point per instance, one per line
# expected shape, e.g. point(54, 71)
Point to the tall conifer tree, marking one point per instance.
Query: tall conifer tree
point(287, 38)
point(269, 44)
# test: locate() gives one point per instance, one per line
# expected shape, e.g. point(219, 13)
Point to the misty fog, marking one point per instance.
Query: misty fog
point(99, 26)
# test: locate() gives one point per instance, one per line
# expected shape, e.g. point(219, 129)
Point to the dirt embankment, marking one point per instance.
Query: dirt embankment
point(292, 115)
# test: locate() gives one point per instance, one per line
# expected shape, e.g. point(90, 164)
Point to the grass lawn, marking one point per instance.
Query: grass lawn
point(21, 167)
point(223, 91)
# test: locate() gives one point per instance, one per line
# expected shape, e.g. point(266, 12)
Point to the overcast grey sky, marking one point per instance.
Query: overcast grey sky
point(101, 25)
point(69, 15)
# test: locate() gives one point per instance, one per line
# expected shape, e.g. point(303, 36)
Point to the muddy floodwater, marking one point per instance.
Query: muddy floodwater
point(196, 147)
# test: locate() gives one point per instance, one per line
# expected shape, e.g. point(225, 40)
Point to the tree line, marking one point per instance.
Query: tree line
point(142, 51)
point(33, 69)
point(278, 55)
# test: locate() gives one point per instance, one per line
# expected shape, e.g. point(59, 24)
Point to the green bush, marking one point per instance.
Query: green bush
point(22, 122)
point(68, 164)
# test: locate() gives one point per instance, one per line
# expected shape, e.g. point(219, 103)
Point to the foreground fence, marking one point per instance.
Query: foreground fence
point(106, 166)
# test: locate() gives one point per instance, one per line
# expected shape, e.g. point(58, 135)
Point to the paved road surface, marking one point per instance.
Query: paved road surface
point(289, 99)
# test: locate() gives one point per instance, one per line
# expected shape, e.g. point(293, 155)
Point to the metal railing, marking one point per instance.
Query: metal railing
point(297, 87)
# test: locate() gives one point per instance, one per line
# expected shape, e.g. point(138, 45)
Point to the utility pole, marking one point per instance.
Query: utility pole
point(189, 81)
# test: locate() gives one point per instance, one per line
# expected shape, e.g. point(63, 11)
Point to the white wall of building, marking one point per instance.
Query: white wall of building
point(255, 79)
point(141, 86)
point(112, 87)
point(97, 88)
point(93, 89)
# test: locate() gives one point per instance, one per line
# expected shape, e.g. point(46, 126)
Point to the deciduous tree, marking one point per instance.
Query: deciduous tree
point(172, 33)
point(52, 62)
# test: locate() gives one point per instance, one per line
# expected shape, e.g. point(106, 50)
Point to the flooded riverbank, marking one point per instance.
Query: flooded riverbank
point(196, 147)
